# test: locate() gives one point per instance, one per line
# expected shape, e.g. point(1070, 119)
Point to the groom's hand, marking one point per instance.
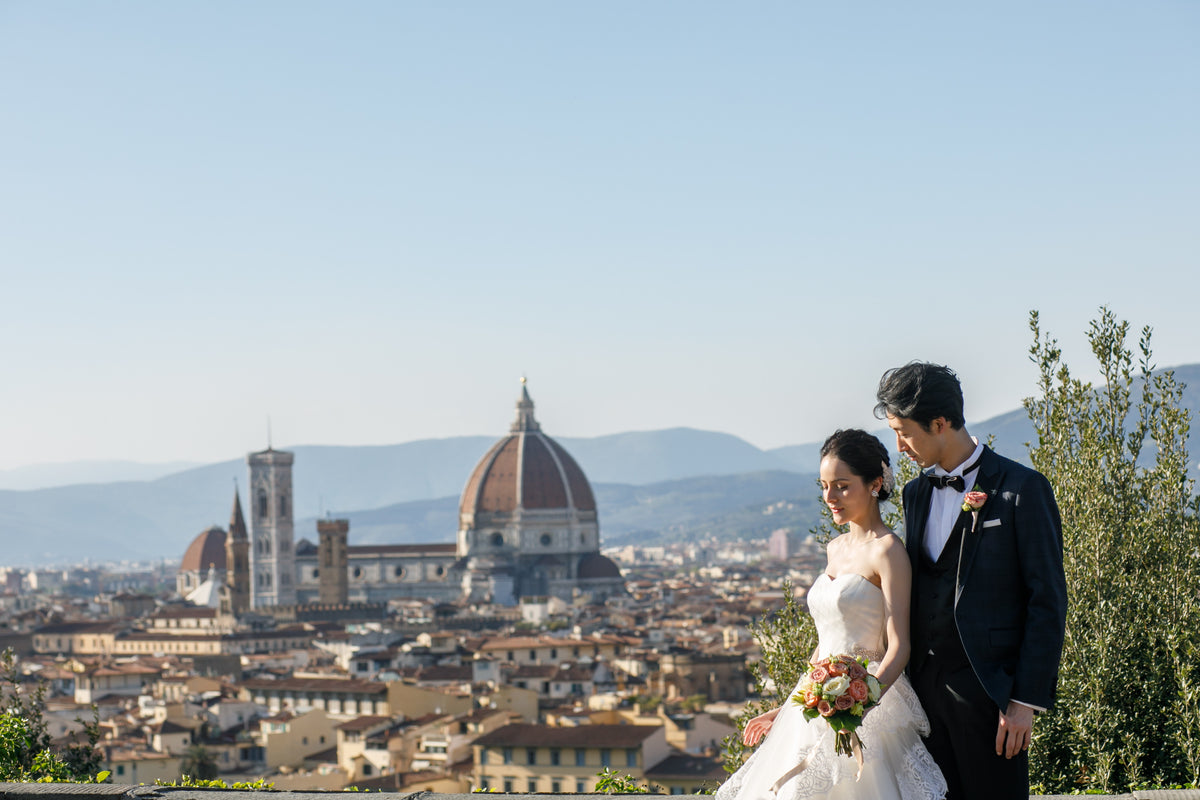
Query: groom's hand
point(1015, 730)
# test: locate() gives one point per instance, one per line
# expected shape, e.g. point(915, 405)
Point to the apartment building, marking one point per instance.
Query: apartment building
point(540, 758)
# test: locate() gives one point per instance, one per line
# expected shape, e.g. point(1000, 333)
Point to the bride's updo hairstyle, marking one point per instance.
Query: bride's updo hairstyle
point(864, 454)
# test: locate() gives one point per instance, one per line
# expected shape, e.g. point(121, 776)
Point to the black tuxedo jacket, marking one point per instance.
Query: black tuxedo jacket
point(1010, 600)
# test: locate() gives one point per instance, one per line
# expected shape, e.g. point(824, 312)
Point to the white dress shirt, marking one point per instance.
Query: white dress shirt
point(946, 504)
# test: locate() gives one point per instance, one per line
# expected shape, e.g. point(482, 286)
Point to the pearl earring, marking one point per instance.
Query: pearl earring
point(874, 493)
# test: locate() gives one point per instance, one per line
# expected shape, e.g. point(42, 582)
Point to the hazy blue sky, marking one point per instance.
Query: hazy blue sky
point(368, 219)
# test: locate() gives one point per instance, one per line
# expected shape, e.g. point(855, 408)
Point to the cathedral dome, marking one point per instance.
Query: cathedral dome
point(206, 550)
point(526, 470)
point(594, 565)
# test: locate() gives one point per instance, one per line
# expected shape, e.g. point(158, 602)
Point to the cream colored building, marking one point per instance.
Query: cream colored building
point(139, 765)
point(539, 758)
point(522, 650)
point(76, 638)
point(344, 698)
point(411, 701)
point(288, 739)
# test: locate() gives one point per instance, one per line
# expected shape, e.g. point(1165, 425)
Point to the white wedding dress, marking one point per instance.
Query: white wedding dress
point(849, 614)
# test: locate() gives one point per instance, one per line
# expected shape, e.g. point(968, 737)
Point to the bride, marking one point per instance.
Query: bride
point(860, 607)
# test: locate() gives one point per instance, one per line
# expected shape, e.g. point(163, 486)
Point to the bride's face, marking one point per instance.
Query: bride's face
point(847, 495)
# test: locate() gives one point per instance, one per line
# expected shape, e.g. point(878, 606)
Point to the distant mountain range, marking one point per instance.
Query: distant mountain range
point(654, 485)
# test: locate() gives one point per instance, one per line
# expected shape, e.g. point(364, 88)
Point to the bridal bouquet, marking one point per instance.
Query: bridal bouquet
point(840, 689)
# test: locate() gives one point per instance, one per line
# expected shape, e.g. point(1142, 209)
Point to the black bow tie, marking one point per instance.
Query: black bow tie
point(955, 482)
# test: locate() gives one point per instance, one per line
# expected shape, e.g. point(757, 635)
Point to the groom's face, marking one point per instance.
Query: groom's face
point(915, 441)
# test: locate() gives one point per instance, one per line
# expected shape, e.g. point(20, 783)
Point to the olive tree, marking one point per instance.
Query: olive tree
point(1126, 714)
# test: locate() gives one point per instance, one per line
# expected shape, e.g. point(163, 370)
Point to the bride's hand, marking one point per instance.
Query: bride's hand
point(757, 728)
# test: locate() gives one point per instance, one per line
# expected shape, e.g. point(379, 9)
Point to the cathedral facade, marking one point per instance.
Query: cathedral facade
point(528, 527)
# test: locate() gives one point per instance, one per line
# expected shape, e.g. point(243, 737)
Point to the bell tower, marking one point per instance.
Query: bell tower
point(272, 550)
point(237, 561)
point(331, 555)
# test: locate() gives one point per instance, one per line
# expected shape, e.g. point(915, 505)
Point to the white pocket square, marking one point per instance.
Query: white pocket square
point(990, 523)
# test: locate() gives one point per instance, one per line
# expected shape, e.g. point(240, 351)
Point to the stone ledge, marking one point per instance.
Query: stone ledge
point(69, 791)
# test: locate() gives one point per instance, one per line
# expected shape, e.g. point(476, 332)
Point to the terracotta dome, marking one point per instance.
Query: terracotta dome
point(594, 565)
point(206, 550)
point(528, 470)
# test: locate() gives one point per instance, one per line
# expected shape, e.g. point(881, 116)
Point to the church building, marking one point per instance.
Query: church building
point(528, 527)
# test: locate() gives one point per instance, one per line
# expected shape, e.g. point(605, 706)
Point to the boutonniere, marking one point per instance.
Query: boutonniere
point(973, 501)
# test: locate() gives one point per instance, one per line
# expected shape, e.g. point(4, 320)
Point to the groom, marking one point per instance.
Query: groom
point(989, 597)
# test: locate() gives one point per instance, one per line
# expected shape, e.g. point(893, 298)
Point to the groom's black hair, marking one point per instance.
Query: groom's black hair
point(921, 392)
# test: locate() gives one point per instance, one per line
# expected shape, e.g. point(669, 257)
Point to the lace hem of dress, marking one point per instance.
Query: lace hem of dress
point(897, 762)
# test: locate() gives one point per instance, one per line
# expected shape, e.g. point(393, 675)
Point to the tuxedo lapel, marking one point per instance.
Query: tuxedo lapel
point(915, 518)
point(987, 481)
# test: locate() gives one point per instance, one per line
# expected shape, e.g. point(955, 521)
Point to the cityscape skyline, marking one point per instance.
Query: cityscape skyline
point(366, 224)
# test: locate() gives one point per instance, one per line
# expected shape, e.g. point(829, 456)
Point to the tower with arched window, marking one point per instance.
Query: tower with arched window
point(272, 532)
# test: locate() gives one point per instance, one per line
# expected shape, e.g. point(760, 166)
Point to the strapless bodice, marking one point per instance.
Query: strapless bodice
point(849, 615)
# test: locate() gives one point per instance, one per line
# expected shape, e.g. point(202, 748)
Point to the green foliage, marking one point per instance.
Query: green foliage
point(188, 782)
point(27, 753)
point(786, 640)
point(610, 781)
point(1127, 713)
point(199, 763)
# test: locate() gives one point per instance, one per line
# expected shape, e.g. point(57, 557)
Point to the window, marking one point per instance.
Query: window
point(531, 756)
point(580, 758)
point(283, 505)
point(398, 572)
point(605, 757)
point(483, 759)
point(546, 540)
point(508, 760)
point(366, 768)
point(555, 756)
point(553, 652)
point(676, 790)
point(263, 507)
point(120, 769)
point(580, 787)
point(556, 786)
point(531, 785)
point(497, 540)
point(631, 757)
point(483, 783)
point(508, 785)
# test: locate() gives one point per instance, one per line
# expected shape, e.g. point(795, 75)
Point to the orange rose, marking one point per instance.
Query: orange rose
point(818, 675)
point(825, 709)
point(858, 690)
point(857, 671)
point(837, 668)
point(811, 699)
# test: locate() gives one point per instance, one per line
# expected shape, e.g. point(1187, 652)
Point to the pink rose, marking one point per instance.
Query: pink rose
point(843, 702)
point(825, 709)
point(811, 699)
point(837, 668)
point(858, 690)
point(818, 675)
point(974, 500)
